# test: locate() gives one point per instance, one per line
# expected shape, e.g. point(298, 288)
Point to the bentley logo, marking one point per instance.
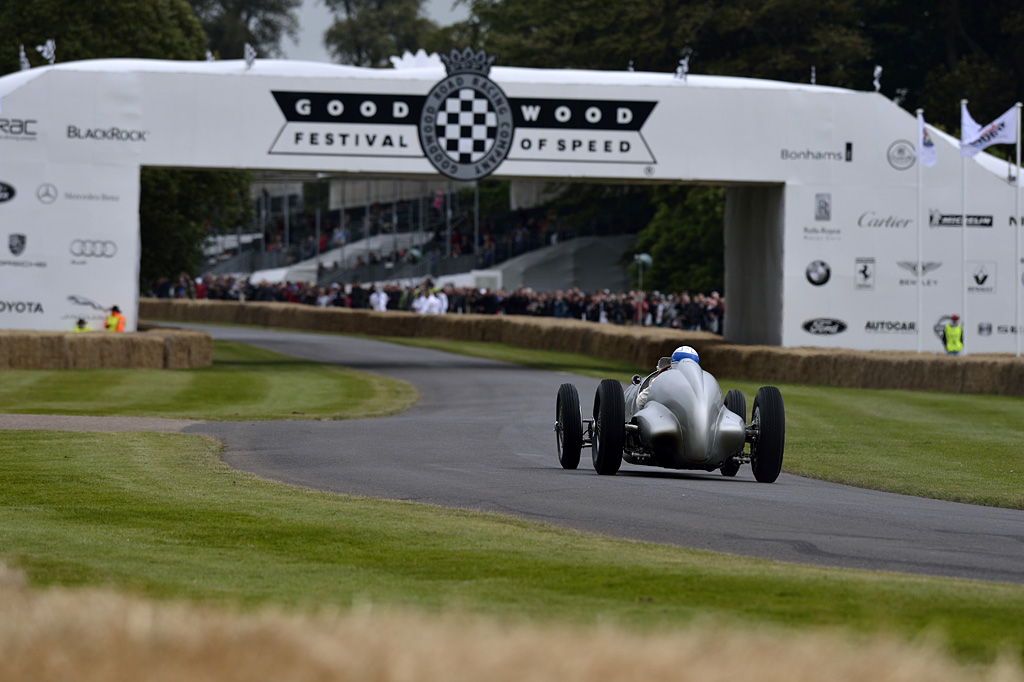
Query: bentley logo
point(47, 193)
point(466, 126)
point(926, 266)
point(16, 243)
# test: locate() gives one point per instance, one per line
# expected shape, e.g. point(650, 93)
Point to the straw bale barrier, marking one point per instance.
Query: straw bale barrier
point(642, 346)
point(151, 349)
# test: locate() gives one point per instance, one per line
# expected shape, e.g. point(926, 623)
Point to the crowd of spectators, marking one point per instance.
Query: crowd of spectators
point(675, 310)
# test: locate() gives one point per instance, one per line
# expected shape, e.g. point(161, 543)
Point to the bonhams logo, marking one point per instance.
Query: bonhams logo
point(824, 326)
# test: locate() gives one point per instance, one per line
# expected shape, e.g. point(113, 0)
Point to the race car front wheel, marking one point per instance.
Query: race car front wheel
point(609, 427)
point(568, 426)
point(769, 422)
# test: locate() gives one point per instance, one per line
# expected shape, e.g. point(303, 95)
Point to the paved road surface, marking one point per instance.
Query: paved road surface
point(481, 438)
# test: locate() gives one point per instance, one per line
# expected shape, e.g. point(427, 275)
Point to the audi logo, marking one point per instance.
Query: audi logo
point(93, 248)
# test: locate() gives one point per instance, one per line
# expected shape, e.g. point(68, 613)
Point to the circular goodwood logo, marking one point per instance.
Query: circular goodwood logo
point(818, 273)
point(901, 155)
point(466, 123)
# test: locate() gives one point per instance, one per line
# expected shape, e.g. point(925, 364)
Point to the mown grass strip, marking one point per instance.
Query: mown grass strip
point(160, 515)
point(244, 383)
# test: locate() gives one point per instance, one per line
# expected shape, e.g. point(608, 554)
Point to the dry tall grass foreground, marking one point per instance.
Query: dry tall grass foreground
point(104, 636)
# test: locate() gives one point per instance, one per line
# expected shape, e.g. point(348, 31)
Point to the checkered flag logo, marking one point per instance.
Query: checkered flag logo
point(466, 125)
point(48, 50)
point(250, 55)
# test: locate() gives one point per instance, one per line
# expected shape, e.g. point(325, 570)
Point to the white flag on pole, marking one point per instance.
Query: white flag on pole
point(925, 144)
point(250, 55)
point(1003, 130)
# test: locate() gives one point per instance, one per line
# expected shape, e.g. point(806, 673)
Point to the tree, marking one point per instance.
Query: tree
point(230, 24)
point(174, 206)
point(368, 32)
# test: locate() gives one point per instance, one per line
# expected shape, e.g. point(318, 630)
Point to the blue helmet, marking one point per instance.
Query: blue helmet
point(684, 353)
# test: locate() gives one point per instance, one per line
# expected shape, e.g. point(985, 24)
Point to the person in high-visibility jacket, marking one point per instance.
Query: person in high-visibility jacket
point(115, 320)
point(953, 336)
point(81, 326)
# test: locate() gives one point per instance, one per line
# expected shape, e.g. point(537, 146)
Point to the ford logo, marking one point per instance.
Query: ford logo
point(824, 326)
point(6, 192)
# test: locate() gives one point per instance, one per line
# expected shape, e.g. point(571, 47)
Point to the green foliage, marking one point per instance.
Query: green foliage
point(179, 209)
point(154, 29)
point(230, 24)
point(368, 32)
point(685, 240)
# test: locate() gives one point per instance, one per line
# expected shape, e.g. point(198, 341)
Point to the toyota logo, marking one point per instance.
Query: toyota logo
point(93, 248)
point(47, 193)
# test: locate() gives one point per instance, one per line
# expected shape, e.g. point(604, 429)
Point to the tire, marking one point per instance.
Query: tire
point(769, 418)
point(568, 426)
point(736, 403)
point(609, 427)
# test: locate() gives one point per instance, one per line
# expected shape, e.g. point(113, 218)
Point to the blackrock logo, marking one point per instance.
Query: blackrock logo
point(818, 273)
point(890, 327)
point(919, 272)
point(107, 134)
point(982, 277)
point(937, 218)
point(465, 126)
point(824, 326)
point(901, 155)
point(864, 272)
point(6, 192)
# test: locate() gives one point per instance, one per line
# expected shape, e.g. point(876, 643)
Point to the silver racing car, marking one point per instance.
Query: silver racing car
point(674, 418)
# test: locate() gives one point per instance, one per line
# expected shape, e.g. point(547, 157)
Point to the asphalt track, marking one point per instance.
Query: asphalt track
point(481, 437)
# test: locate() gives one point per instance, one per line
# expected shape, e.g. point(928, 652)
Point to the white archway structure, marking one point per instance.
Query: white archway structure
point(822, 219)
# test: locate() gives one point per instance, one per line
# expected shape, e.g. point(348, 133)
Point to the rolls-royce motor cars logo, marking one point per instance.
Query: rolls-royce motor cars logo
point(823, 207)
point(824, 326)
point(818, 273)
point(464, 126)
point(16, 243)
point(6, 192)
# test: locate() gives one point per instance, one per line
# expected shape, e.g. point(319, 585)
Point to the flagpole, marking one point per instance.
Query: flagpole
point(1016, 249)
point(920, 265)
point(963, 229)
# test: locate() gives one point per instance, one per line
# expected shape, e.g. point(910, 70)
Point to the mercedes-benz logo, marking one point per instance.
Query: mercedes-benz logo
point(47, 193)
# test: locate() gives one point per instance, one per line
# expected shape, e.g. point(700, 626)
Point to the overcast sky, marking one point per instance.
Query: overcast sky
point(314, 19)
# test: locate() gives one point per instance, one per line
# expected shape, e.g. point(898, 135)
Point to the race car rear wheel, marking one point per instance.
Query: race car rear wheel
point(736, 403)
point(609, 427)
point(769, 422)
point(568, 426)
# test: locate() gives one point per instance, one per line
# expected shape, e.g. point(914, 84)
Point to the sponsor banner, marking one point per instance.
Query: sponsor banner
point(981, 277)
point(818, 273)
point(864, 273)
point(890, 327)
point(937, 218)
point(837, 155)
point(824, 326)
point(19, 129)
point(901, 155)
point(598, 147)
point(7, 192)
point(912, 271)
point(327, 139)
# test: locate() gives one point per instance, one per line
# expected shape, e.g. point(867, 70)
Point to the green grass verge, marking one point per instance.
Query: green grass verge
point(160, 515)
point(244, 383)
point(964, 448)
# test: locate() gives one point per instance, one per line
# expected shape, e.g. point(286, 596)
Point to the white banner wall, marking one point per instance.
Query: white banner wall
point(845, 163)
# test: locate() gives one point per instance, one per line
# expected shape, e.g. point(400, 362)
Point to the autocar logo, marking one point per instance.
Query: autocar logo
point(47, 193)
point(818, 273)
point(824, 326)
point(16, 243)
point(93, 248)
point(984, 329)
point(6, 192)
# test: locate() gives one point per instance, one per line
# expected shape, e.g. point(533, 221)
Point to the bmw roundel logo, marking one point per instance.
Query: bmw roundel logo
point(818, 273)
